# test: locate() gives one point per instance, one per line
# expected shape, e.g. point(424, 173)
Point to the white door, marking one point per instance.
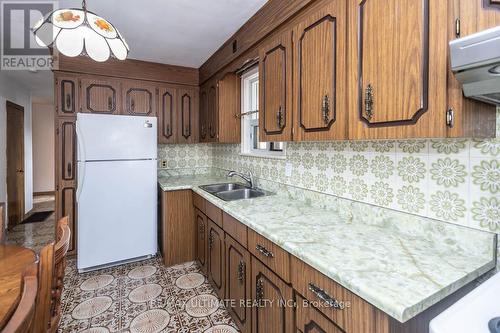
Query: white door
point(116, 211)
point(110, 137)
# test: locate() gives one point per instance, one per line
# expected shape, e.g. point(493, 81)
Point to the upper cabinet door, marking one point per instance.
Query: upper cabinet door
point(100, 96)
point(139, 99)
point(203, 114)
point(398, 50)
point(275, 89)
point(212, 113)
point(320, 74)
point(167, 115)
point(67, 95)
point(187, 116)
point(228, 112)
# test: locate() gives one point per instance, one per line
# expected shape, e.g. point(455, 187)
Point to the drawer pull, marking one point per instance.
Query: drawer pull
point(264, 251)
point(323, 295)
point(211, 241)
point(325, 109)
point(259, 290)
point(369, 102)
point(201, 230)
point(241, 271)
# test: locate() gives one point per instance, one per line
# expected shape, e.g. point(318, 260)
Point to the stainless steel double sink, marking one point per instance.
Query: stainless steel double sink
point(233, 191)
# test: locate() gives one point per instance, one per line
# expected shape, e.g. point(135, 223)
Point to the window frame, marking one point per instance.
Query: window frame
point(248, 123)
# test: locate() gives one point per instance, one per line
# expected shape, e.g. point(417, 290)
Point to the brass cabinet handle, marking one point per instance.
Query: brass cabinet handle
point(201, 230)
point(110, 103)
point(325, 109)
point(68, 101)
point(168, 130)
point(68, 168)
point(203, 132)
point(323, 296)
point(369, 101)
point(279, 117)
point(241, 271)
point(264, 251)
point(259, 290)
point(132, 105)
point(211, 241)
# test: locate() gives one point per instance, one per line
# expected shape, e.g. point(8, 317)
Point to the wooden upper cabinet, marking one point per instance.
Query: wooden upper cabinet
point(66, 95)
point(167, 115)
point(203, 120)
point(320, 74)
point(212, 113)
point(228, 110)
point(100, 96)
point(471, 118)
point(139, 99)
point(275, 89)
point(187, 131)
point(397, 76)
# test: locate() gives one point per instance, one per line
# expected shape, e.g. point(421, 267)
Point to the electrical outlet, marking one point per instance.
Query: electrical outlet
point(163, 163)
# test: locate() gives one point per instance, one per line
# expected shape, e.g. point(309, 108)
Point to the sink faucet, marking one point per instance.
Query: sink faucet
point(248, 177)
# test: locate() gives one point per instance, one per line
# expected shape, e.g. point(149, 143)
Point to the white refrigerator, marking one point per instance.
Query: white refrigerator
point(116, 190)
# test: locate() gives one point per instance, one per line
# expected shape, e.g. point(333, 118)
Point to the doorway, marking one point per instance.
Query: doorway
point(15, 163)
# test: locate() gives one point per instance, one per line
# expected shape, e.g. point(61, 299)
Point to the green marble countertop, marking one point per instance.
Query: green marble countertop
point(400, 263)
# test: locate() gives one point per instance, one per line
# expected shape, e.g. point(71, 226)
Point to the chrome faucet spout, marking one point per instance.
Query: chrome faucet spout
point(248, 178)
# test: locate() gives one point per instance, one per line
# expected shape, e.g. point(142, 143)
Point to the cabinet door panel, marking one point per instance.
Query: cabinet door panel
point(188, 116)
point(320, 72)
point(100, 96)
point(66, 149)
point(167, 115)
point(201, 239)
point(67, 96)
point(66, 199)
point(227, 119)
point(238, 282)
point(275, 85)
point(398, 55)
point(139, 99)
point(216, 257)
point(204, 115)
point(272, 294)
point(212, 113)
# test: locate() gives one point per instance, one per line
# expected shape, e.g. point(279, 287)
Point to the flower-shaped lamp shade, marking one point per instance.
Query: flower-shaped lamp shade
point(77, 32)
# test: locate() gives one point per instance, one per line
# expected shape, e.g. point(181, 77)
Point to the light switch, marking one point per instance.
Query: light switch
point(288, 169)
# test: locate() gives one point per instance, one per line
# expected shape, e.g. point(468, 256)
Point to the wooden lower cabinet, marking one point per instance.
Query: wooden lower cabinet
point(274, 297)
point(216, 258)
point(238, 283)
point(201, 239)
point(177, 227)
point(310, 320)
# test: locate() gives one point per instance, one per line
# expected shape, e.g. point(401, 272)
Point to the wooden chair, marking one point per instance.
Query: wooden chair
point(43, 310)
point(60, 249)
point(22, 319)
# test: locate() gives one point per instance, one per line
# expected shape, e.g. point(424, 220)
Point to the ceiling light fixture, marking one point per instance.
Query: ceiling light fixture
point(76, 32)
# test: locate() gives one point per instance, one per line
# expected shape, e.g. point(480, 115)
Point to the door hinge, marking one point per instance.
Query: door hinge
point(450, 117)
point(457, 27)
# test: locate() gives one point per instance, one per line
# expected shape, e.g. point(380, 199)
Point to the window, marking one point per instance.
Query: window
point(250, 143)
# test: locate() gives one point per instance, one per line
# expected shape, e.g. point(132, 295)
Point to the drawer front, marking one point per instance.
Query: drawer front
point(310, 320)
point(347, 310)
point(214, 213)
point(273, 256)
point(199, 202)
point(235, 229)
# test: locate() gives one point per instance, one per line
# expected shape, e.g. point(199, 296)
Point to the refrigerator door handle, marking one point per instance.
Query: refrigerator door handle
point(81, 162)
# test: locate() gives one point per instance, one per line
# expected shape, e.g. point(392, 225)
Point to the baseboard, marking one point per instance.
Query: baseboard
point(44, 193)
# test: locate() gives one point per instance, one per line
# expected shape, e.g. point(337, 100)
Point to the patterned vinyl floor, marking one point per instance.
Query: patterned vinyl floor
point(143, 297)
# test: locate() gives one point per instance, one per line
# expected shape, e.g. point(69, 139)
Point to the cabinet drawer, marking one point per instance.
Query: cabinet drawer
point(273, 256)
point(350, 312)
point(214, 213)
point(309, 319)
point(235, 229)
point(199, 202)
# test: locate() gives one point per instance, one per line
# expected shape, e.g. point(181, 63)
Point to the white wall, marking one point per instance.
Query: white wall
point(12, 91)
point(43, 147)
